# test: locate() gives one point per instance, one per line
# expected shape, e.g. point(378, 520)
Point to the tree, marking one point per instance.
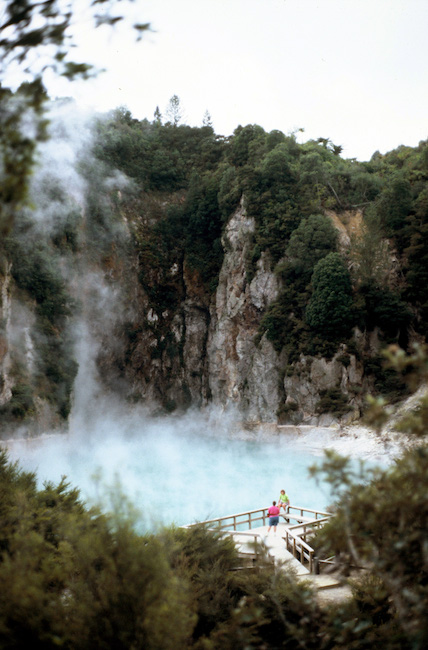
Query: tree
point(17, 150)
point(242, 144)
point(329, 311)
point(37, 26)
point(276, 166)
point(157, 115)
point(394, 206)
point(174, 111)
point(312, 240)
point(76, 578)
point(206, 120)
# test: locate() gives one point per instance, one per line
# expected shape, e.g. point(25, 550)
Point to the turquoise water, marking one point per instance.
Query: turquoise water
point(176, 471)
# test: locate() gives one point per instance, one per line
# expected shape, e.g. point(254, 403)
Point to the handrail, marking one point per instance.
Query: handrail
point(312, 522)
point(288, 533)
point(248, 519)
point(315, 512)
point(256, 537)
point(220, 521)
point(315, 523)
point(297, 541)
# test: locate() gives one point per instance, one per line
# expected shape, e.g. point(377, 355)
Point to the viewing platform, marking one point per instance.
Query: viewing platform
point(290, 543)
point(288, 548)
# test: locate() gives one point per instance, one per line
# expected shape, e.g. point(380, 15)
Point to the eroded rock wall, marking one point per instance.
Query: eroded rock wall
point(242, 373)
point(6, 381)
point(208, 349)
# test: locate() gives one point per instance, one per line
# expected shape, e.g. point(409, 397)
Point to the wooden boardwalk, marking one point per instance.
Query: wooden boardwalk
point(289, 548)
point(274, 545)
point(250, 532)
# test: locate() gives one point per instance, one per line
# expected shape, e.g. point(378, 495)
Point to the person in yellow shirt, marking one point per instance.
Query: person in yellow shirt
point(283, 501)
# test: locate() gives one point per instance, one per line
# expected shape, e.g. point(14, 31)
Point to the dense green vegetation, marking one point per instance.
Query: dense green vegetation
point(188, 182)
point(177, 174)
point(380, 523)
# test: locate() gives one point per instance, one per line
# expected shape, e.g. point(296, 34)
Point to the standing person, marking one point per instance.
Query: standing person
point(283, 501)
point(273, 513)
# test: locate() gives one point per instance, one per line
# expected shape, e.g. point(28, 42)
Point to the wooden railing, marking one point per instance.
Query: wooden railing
point(229, 524)
point(316, 514)
point(256, 545)
point(260, 517)
point(250, 519)
point(308, 520)
point(296, 540)
point(300, 549)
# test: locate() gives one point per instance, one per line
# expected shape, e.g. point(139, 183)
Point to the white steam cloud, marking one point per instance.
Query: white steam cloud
point(184, 469)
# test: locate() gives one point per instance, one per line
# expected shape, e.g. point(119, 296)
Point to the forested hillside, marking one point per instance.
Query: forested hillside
point(232, 260)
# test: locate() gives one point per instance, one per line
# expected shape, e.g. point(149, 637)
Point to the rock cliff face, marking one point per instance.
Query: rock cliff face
point(242, 373)
point(5, 315)
point(207, 350)
point(22, 409)
point(313, 377)
point(250, 375)
point(198, 350)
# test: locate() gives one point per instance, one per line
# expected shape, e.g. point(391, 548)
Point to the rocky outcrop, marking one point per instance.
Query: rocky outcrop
point(248, 374)
point(198, 349)
point(23, 411)
point(313, 377)
point(6, 381)
point(241, 373)
point(207, 349)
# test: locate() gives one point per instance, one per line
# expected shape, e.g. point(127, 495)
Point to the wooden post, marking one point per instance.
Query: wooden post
point(316, 565)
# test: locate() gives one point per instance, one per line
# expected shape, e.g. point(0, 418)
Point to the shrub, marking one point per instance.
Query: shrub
point(21, 404)
point(334, 401)
point(329, 311)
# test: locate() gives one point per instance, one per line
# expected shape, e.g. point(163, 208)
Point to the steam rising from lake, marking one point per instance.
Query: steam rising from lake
point(174, 469)
point(179, 469)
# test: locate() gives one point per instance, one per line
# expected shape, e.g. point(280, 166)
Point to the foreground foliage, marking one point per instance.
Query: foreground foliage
point(73, 577)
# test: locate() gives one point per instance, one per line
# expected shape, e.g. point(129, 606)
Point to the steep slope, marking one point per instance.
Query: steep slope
point(250, 273)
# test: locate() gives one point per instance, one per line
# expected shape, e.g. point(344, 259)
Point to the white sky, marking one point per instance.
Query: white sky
point(351, 70)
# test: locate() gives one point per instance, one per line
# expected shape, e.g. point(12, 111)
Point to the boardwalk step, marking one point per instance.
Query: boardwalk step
point(323, 581)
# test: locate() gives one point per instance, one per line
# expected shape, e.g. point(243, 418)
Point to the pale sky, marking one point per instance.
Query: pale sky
point(354, 71)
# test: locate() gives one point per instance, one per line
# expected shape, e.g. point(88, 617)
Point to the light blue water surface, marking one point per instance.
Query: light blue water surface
point(176, 471)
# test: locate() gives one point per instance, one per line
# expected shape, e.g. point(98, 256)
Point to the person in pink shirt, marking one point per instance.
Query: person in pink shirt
point(273, 513)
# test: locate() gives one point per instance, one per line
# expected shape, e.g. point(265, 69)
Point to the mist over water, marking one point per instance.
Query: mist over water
point(178, 469)
point(175, 470)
